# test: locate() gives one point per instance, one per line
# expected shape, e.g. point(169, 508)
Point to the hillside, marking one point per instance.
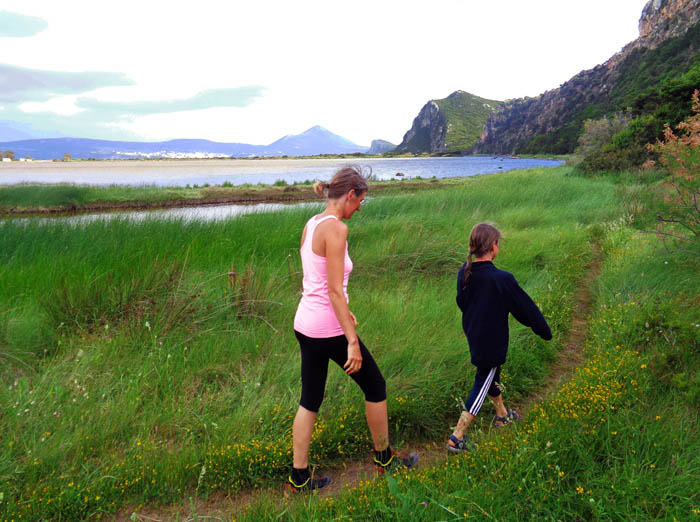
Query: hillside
point(452, 124)
point(652, 76)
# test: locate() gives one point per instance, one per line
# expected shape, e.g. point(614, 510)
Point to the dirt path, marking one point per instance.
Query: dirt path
point(349, 474)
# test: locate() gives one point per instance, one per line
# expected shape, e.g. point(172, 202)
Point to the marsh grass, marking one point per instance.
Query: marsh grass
point(68, 197)
point(71, 196)
point(152, 360)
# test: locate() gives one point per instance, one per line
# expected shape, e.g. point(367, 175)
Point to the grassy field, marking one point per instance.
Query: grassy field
point(143, 363)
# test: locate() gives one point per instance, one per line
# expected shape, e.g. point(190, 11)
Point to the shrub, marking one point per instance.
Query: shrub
point(616, 143)
point(599, 133)
point(679, 153)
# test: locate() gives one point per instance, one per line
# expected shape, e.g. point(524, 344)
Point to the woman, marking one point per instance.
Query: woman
point(325, 329)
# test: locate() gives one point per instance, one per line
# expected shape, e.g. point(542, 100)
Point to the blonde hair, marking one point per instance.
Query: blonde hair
point(346, 179)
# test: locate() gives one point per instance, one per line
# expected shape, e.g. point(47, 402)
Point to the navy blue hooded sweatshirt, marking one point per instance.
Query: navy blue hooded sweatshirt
point(492, 294)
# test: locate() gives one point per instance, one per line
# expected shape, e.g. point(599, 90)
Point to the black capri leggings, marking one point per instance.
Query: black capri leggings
point(315, 353)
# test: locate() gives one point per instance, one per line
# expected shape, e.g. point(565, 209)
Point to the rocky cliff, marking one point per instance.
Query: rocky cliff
point(380, 147)
point(552, 121)
point(662, 19)
point(452, 124)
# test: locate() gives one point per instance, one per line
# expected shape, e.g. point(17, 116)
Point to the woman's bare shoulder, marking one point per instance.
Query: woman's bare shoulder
point(333, 226)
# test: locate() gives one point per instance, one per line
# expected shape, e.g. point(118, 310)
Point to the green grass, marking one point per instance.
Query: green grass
point(148, 362)
point(619, 441)
point(73, 196)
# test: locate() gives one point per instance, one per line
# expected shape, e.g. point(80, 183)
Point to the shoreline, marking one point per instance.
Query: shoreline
point(211, 196)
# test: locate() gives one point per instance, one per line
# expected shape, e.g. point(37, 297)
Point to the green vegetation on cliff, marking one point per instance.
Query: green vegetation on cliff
point(448, 126)
point(465, 115)
point(652, 86)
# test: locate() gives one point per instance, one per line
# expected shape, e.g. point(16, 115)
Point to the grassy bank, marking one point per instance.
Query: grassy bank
point(154, 361)
point(27, 198)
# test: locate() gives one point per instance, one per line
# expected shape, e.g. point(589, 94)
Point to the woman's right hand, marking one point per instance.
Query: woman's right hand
point(354, 362)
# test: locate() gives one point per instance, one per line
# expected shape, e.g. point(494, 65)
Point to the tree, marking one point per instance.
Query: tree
point(67, 156)
point(8, 154)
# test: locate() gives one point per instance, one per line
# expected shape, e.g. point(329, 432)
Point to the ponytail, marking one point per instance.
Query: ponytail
point(320, 188)
point(345, 180)
point(467, 270)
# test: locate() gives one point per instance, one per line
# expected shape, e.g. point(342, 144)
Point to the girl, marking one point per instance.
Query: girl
point(486, 295)
point(325, 329)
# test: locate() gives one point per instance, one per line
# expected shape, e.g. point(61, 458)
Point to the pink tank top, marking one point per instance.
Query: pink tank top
point(315, 316)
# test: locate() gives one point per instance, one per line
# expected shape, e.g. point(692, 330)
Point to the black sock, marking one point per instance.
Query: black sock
point(383, 456)
point(299, 476)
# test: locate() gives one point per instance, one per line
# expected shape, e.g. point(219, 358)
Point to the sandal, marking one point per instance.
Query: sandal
point(460, 446)
point(511, 416)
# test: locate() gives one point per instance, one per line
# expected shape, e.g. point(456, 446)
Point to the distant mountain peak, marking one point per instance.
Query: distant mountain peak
point(316, 140)
point(315, 128)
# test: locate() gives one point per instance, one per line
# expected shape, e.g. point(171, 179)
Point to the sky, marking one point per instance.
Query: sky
point(253, 71)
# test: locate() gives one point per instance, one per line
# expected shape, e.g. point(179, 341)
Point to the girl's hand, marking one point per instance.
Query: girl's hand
point(354, 319)
point(354, 362)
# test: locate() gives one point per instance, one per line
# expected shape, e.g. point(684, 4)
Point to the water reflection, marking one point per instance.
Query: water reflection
point(186, 214)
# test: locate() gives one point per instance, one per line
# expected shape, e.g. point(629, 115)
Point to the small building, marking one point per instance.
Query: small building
point(6, 159)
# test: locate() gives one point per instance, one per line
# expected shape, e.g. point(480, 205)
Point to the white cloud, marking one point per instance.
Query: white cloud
point(63, 105)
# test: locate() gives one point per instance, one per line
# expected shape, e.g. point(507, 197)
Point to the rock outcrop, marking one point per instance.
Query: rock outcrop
point(380, 147)
point(662, 19)
point(427, 134)
point(452, 124)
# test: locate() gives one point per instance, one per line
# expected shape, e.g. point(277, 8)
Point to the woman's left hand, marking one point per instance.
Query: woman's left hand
point(354, 362)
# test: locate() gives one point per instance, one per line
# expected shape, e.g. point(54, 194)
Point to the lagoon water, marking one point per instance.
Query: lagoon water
point(254, 171)
point(184, 214)
point(236, 172)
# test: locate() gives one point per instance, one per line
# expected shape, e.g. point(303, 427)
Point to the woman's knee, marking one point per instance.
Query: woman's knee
point(376, 392)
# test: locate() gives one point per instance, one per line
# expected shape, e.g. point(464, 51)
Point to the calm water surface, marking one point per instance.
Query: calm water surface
point(206, 213)
point(239, 172)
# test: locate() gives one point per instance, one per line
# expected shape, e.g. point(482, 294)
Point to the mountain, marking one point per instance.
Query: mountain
point(380, 147)
point(452, 124)
point(316, 140)
point(650, 79)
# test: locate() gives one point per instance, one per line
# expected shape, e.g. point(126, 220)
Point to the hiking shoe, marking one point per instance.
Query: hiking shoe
point(311, 484)
point(512, 416)
point(460, 446)
point(396, 462)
